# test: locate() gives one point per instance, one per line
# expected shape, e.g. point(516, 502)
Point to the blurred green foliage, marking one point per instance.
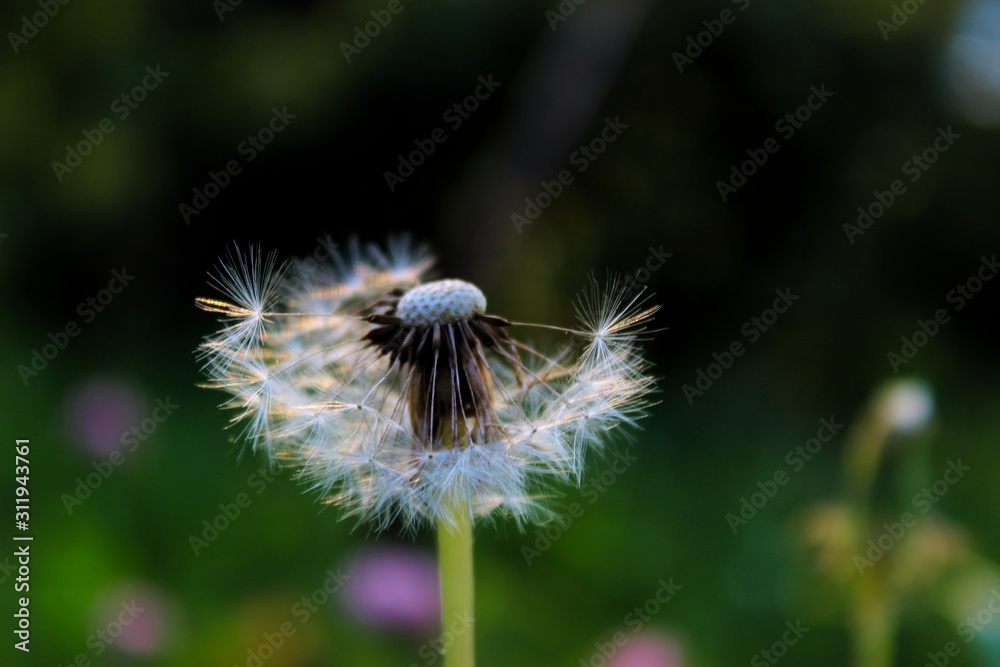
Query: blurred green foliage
point(654, 187)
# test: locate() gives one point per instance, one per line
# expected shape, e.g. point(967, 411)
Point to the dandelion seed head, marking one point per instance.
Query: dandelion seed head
point(401, 399)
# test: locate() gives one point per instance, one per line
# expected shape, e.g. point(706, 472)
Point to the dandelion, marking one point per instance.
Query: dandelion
point(402, 399)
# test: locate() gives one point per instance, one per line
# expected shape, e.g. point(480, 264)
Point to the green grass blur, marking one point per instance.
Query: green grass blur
point(546, 596)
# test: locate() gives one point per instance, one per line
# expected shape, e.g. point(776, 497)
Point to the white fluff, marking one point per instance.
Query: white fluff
point(312, 393)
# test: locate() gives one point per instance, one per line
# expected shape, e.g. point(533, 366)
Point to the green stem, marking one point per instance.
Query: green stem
point(455, 564)
point(872, 614)
point(873, 622)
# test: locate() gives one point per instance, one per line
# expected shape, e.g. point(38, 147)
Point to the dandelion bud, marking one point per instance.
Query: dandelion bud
point(906, 406)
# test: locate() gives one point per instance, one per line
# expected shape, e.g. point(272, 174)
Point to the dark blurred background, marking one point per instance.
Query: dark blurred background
point(833, 100)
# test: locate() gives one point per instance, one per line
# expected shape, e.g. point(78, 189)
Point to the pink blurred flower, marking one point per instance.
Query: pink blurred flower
point(394, 588)
point(648, 650)
point(100, 410)
point(134, 619)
